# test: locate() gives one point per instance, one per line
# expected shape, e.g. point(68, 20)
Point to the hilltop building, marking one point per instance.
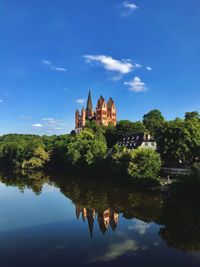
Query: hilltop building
point(104, 114)
point(138, 140)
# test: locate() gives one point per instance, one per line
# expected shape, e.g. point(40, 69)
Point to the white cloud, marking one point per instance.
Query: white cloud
point(139, 226)
point(59, 69)
point(120, 66)
point(138, 65)
point(37, 125)
point(80, 100)
point(116, 77)
point(1, 100)
point(52, 123)
point(46, 62)
point(136, 85)
point(149, 68)
point(116, 250)
point(52, 66)
point(130, 6)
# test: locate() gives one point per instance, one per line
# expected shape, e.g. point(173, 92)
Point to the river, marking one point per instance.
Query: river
point(74, 221)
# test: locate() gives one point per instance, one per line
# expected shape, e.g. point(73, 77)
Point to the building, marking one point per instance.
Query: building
point(138, 140)
point(105, 218)
point(104, 114)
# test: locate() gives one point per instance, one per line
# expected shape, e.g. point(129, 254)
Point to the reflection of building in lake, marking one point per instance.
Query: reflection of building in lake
point(104, 218)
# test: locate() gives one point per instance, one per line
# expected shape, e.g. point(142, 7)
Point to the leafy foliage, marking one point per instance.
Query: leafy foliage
point(179, 142)
point(141, 164)
point(86, 148)
point(153, 121)
point(145, 164)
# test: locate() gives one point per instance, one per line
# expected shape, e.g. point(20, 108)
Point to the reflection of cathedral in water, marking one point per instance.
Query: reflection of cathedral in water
point(104, 218)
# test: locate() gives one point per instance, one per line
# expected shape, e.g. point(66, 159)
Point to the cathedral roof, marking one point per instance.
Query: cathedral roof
point(89, 102)
point(110, 102)
point(100, 101)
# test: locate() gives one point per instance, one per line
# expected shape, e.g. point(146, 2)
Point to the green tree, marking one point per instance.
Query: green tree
point(145, 164)
point(121, 158)
point(153, 120)
point(178, 142)
point(192, 115)
point(141, 164)
point(84, 148)
point(126, 127)
point(111, 135)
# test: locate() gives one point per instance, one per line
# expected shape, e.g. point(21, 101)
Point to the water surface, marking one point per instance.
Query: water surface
point(72, 221)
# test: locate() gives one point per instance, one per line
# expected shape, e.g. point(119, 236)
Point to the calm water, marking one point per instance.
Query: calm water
point(75, 222)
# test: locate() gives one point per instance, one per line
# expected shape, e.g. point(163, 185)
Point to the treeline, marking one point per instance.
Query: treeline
point(178, 141)
point(178, 144)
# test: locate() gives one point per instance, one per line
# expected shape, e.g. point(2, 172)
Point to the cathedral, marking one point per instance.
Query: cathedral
point(104, 114)
point(105, 218)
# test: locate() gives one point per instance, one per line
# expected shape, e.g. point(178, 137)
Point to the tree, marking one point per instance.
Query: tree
point(192, 115)
point(178, 142)
point(36, 157)
point(111, 135)
point(145, 164)
point(153, 120)
point(85, 149)
point(141, 164)
point(126, 127)
point(120, 159)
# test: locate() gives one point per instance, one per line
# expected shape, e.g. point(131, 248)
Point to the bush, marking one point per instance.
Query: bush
point(142, 165)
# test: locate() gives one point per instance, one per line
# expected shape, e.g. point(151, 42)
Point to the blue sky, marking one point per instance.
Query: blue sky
point(145, 54)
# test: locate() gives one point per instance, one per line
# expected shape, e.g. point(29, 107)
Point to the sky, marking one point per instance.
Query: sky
point(142, 53)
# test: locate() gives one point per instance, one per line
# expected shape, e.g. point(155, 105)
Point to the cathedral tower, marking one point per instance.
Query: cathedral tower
point(105, 113)
point(111, 112)
point(89, 108)
point(101, 112)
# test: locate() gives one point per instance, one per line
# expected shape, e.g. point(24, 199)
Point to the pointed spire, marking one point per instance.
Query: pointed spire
point(110, 102)
point(89, 103)
point(78, 211)
point(90, 217)
point(100, 101)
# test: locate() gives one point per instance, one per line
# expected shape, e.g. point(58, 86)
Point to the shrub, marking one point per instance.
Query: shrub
point(145, 165)
point(142, 165)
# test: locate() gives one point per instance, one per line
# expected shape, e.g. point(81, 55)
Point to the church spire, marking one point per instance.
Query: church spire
point(89, 108)
point(89, 102)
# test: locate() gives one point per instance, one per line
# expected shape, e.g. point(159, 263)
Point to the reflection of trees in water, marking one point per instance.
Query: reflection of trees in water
point(181, 223)
point(104, 201)
point(33, 181)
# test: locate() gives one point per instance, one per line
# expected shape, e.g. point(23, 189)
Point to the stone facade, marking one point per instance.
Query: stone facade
point(104, 114)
